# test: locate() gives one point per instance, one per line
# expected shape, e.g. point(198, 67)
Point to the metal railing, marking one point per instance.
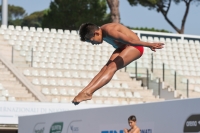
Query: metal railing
point(13, 55)
point(148, 73)
point(32, 57)
point(165, 76)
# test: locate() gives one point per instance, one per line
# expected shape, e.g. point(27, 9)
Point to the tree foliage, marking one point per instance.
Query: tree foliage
point(34, 19)
point(15, 14)
point(163, 6)
point(70, 14)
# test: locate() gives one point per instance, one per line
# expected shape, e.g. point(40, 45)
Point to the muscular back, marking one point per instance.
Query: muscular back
point(117, 27)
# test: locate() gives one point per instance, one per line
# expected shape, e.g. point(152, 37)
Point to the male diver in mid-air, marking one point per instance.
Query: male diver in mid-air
point(128, 48)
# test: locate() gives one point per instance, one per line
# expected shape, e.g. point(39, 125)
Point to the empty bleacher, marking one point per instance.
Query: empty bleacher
point(11, 89)
point(181, 54)
point(58, 65)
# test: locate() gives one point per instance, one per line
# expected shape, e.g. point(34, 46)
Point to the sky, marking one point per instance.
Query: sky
point(136, 16)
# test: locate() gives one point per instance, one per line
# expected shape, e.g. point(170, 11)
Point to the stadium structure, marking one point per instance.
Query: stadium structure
point(51, 66)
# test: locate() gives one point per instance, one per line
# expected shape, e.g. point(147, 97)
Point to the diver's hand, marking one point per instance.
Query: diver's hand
point(154, 46)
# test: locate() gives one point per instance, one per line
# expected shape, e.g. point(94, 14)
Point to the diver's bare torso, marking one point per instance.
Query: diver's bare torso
point(120, 28)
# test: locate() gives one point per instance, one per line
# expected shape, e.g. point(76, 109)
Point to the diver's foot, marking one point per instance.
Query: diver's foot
point(82, 96)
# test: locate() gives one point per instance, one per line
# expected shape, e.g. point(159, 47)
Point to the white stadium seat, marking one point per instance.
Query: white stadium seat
point(10, 27)
point(61, 83)
point(3, 27)
point(129, 94)
point(5, 93)
point(11, 99)
point(104, 93)
point(64, 100)
point(3, 98)
point(45, 91)
point(113, 94)
point(36, 82)
point(54, 91)
point(27, 72)
point(44, 82)
point(121, 94)
point(69, 83)
point(55, 100)
point(136, 95)
point(71, 92)
point(63, 91)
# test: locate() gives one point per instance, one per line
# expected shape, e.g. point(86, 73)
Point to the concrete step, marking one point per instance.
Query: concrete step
point(194, 96)
point(20, 95)
point(2, 38)
point(20, 64)
point(39, 87)
point(4, 71)
point(26, 99)
point(81, 87)
point(12, 87)
point(144, 91)
point(2, 66)
point(153, 100)
point(76, 79)
point(5, 47)
point(64, 70)
point(18, 59)
point(191, 94)
point(7, 77)
point(6, 52)
point(144, 96)
point(23, 66)
point(160, 72)
point(22, 92)
point(70, 98)
point(139, 70)
point(116, 98)
point(2, 42)
point(7, 82)
point(137, 100)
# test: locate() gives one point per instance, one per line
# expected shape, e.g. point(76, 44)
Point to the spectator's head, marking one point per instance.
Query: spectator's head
point(132, 121)
point(90, 32)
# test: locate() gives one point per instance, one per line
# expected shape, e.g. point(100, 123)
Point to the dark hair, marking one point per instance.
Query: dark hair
point(86, 31)
point(132, 118)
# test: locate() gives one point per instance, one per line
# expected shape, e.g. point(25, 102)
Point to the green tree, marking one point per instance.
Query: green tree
point(34, 19)
point(15, 14)
point(163, 6)
point(70, 14)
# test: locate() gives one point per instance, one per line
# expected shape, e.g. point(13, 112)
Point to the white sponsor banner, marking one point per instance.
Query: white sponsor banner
point(10, 111)
point(177, 116)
